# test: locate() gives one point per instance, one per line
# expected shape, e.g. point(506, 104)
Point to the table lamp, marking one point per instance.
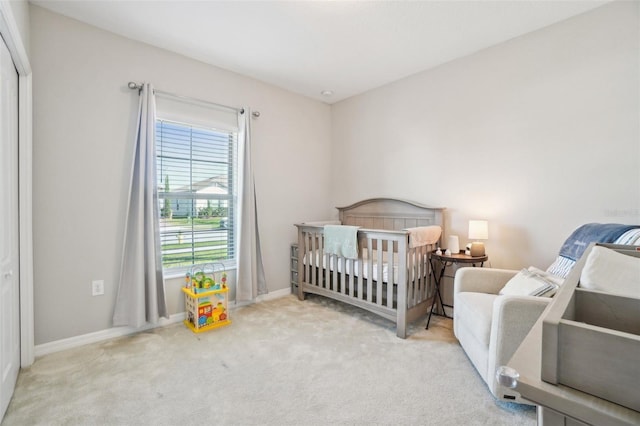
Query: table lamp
point(478, 230)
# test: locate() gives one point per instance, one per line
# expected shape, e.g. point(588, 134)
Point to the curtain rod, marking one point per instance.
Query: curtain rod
point(133, 86)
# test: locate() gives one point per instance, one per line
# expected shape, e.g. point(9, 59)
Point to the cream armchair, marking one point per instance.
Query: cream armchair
point(489, 326)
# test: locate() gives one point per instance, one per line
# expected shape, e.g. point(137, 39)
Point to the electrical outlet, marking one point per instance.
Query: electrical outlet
point(97, 287)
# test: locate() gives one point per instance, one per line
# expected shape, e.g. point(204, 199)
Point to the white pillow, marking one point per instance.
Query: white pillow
point(528, 283)
point(613, 272)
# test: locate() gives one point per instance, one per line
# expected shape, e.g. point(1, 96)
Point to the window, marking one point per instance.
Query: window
point(196, 177)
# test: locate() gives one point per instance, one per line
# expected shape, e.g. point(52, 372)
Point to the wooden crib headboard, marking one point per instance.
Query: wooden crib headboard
point(390, 214)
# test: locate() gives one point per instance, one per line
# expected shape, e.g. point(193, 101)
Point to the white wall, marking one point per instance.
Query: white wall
point(538, 135)
point(83, 133)
point(20, 10)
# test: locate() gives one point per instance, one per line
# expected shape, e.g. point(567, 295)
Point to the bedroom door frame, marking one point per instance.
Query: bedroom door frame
point(11, 34)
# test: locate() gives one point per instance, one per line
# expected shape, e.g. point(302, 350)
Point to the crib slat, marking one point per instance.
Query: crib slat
point(380, 279)
point(427, 276)
point(341, 267)
point(360, 276)
point(369, 270)
point(351, 276)
point(314, 258)
point(334, 281)
point(321, 260)
point(345, 277)
point(418, 276)
point(425, 272)
point(391, 266)
point(333, 267)
point(309, 254)
point(401, 322)
point(411, 267)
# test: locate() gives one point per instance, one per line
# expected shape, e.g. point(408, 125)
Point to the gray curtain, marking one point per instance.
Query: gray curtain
point(250, 280)
point(141, 296)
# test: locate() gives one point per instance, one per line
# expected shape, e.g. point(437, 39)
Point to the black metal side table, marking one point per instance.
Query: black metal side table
point(446, 261)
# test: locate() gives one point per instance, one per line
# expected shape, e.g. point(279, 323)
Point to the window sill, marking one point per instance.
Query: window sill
point(180, 273)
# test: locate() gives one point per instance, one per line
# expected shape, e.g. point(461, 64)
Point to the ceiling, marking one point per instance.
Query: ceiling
point(347, 47)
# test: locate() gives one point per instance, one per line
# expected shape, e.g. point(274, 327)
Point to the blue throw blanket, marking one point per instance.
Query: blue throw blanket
point(576, 244)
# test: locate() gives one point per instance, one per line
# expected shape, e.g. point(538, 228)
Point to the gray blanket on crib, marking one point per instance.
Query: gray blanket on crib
point(341, 240)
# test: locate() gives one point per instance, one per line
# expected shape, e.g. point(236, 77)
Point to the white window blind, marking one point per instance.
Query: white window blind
point(196, 178)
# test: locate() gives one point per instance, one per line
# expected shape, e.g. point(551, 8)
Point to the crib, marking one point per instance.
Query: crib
point(390, 278)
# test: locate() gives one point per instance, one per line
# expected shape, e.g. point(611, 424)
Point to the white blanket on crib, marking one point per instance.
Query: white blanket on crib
point(423, 235)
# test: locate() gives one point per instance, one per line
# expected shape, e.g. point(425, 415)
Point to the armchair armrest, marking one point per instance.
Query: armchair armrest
point(513, 318)
point(481, 280)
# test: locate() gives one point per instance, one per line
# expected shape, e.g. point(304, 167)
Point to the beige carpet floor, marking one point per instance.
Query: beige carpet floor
point(281, 362)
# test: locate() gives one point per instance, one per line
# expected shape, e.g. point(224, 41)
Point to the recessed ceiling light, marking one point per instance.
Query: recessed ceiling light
point(326, 92)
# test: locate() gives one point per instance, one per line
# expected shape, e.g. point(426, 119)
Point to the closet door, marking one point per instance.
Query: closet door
point(9, 257)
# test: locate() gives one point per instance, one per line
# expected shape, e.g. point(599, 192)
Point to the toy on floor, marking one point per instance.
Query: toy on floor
point(206, 298)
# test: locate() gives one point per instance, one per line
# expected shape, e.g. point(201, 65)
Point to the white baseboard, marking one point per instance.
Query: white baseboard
point(98, 336)
point(265, 297)
point(111, 333)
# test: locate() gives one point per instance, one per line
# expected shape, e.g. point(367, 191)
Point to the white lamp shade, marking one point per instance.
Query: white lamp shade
point(478, 230)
